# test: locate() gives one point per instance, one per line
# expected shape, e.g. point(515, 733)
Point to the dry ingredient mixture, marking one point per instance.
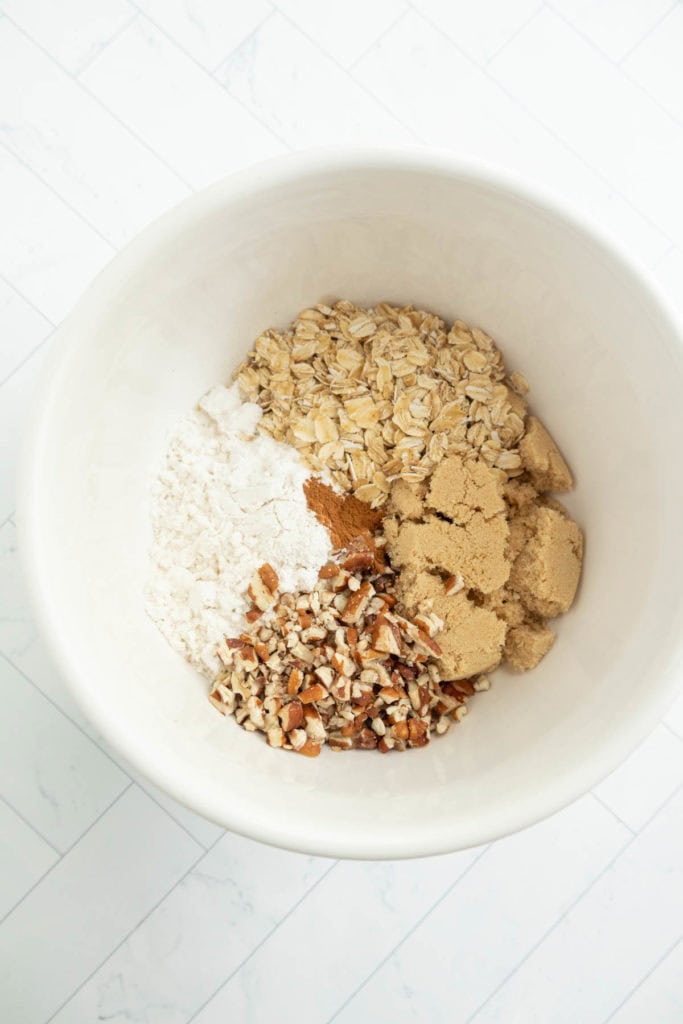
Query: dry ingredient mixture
point(419, 546)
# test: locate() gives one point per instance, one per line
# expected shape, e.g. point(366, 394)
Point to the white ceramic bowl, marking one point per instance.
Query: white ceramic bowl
point(173, 314)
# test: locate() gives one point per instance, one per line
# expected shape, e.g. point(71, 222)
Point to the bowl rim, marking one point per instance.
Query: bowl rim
point(449, 834)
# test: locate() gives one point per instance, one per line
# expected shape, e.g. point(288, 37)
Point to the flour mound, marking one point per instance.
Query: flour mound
point(226, 501)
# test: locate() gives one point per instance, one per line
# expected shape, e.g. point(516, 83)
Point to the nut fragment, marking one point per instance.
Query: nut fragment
point(292, 715)
point(385, 636)
point(357, 603)
point(263, 586)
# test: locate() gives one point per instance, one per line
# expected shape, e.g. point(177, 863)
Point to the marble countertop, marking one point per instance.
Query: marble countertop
point(115, 903)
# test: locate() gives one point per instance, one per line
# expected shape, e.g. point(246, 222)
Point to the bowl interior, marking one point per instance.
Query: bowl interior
point(174, 314)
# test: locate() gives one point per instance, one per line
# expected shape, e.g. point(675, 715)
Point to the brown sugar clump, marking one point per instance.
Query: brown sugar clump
point(543, 460)
point(475, 551)
point(527, 644)
point(407, 500)
point(458, 489)
point(343, 516)
point(546, 573)
point(472, 638)
point(507, 606)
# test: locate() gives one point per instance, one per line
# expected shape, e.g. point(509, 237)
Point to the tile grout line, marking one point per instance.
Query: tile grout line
point(259, 944)
point(7, 520)
point(651, 96)
point(558, 138)
point(110, 954)
point(27, 358)
point(646, 35)
point(62, 712)
point(33, 828)
point(66, 852)
point(617, 66)
point(671, 730)
point(95, 98)
point(665, 255)
point(349, 999)
point(347, 74)
point(29, 302)
point(257, 28)
point(105, 46)
point(161, 807)
point(635, 988)
point(210, 74)
point(46, 184)
point(518, 31)
point(571, 907)
point(376, 42)
point(613, 813)
point(98, 746)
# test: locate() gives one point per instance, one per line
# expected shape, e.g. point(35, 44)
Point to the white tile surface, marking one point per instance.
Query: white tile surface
point(205, 832)
point(617, 931)
point(74, 31)
point(47, 251)
point(15, 405)
point(207, 29)
point(615, 26)
point(656, 63)
point(599, 113)
point(387, 901)
point(485, 927)
point(212, 921)
point(53, 125)
point(24, 328)
point(24, 858)
point(100, 890)
point(660, 997)
point(640, 786)
point(185, 115)
point(345, 30)
point(482, 29)
point(311, 100)
point(49, 771)
point(19, 638)
point(109, 110)
point(16, 621)
point(674, 718)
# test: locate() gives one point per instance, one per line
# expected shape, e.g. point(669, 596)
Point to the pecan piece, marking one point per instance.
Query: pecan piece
point(291, 715)
point(386, 636)
point(357, 603)
point(263, 586)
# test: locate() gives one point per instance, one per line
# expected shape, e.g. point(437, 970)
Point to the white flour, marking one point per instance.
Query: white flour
point(226, 501)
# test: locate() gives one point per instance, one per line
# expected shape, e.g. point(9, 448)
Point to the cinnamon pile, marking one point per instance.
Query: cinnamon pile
point(344, 517)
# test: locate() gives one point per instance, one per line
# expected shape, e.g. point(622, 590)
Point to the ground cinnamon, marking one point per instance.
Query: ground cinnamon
point(343, 516)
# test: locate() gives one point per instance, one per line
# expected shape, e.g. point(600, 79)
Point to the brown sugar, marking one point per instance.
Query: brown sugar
point(459, 489)
point(543, 460)
point(492, 557)
point(546, 573)
point(527, 644)
point(472, 638)
point(407, 500)
point(475, 551)
point(343, 516)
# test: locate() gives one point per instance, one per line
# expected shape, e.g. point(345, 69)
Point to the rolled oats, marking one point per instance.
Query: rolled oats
point(375, 395)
